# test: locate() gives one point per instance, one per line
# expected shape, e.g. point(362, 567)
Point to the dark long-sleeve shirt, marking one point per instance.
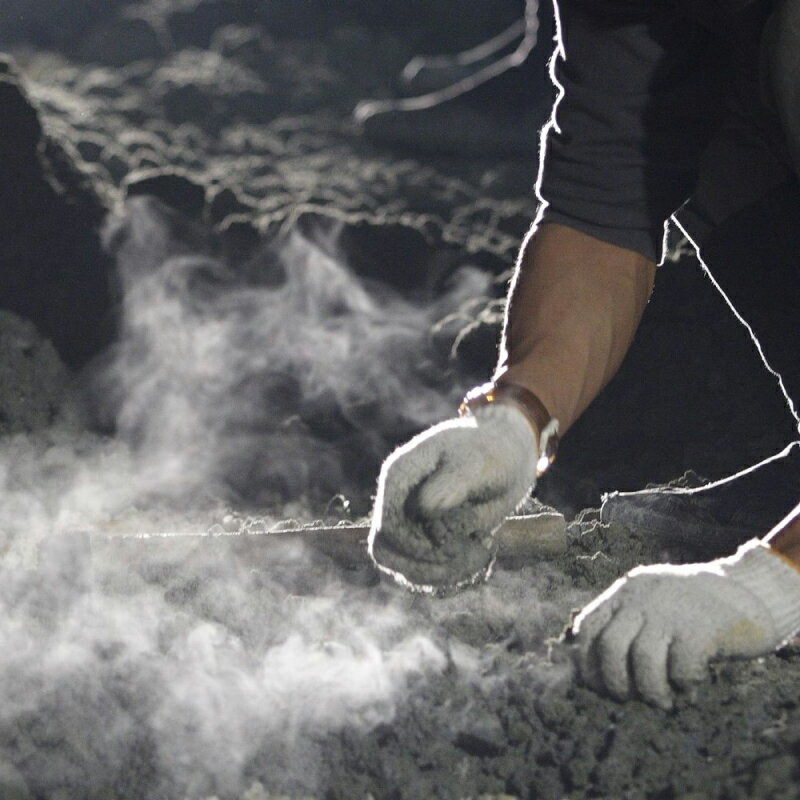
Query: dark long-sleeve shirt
point(662, 107)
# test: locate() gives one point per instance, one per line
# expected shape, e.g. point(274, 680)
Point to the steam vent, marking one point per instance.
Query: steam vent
point(225, 299)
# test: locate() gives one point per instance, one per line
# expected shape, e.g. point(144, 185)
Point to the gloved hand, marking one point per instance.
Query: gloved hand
point(442, 494)
point(659, 626)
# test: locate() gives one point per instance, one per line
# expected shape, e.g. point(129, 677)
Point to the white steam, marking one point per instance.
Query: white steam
point(216, 378)
point(188, 679)
point(200, 690)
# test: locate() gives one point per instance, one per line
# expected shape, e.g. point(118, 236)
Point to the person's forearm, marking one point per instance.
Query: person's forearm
point(574, 306)
point(785, 537)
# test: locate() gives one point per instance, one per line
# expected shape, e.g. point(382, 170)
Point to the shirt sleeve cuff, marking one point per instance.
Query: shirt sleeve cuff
point(643, 242)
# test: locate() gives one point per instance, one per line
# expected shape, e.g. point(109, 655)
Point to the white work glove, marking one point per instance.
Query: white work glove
point(442, 495)
point(659, 626)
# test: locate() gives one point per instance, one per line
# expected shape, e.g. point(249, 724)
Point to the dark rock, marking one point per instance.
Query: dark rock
point(175, 189)
point(396, 254)
point(476, 344)
point(239, 237)
point(224, 203)
point(184, 102)
point(484, 737)
point(55, 272)
point(21, 119)
point(90, 148)
point(115, 162)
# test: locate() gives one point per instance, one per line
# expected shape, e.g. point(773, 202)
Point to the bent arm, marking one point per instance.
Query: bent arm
point(574, 306)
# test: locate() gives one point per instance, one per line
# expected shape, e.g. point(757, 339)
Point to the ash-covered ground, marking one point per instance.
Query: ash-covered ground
point(222, 309)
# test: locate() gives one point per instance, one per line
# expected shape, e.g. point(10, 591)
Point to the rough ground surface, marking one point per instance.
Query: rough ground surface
point(290, 302)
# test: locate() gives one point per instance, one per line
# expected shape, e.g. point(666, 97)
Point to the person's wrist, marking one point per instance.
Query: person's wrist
point(543, 426)
point(784, 538)
point(788, 560)
point(772, 579)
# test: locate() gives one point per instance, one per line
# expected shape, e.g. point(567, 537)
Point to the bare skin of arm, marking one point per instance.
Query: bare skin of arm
point(784, 538)
point(574, 306)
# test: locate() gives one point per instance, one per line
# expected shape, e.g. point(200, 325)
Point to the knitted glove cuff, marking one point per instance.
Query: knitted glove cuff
point(768, 577)
point(510, 431)
point(543, 426)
